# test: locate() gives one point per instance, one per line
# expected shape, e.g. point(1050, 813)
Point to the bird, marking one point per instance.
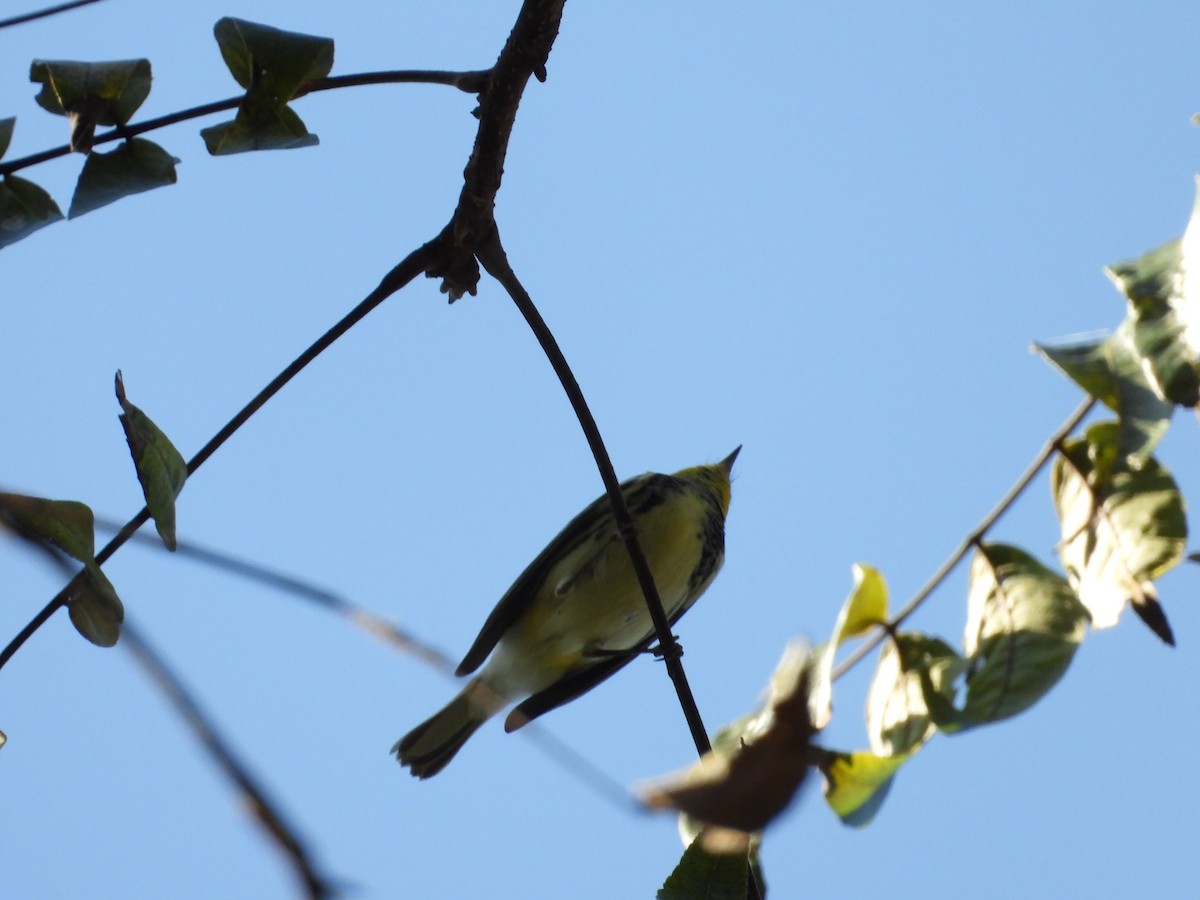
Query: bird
point(577, 615)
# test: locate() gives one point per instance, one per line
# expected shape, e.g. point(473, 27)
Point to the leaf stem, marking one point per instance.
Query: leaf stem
point(470, 82)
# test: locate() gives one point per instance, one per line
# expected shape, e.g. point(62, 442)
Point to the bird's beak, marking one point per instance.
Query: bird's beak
point(727, 462)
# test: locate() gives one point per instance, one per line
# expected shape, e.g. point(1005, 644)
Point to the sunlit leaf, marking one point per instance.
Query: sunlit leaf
point(91, 94)
point(95, 609)
point(160, 468)
point(856, 784)
point(701, 875)
point(865, 608)
point(898, 717)
point(273, 66)
point(24, 208)
point(66, 524)
point(1111, 371)
point(745, 782)
point(137, 165)
point(1122, 528)
point(1024, 624)
point(1163, 290)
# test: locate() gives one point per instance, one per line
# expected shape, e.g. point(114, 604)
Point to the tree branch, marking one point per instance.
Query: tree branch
point(469, 82)
point(404, 272)
point(43, 13)
point(1044, 455)
point(260, 805)
point(491, 254)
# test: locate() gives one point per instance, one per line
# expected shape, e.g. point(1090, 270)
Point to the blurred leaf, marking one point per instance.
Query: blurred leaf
point(95, 609)
point(1164, 311)
point(866, 607)
point(1111, 371)
point(898, 718)
point(1121, 528)
point(273, 66)
point(67, 524)
point(91, 94)
point(160, 468)
point(856, 784)
point(701, 875)
point(3, 739)
point(24, 208)
point(137, 165)
point(1024, 624)
point(6, 133)
point(751, 779)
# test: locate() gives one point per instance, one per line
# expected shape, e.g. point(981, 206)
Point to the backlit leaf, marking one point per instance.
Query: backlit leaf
point(24, 208)
point(137, 165)
point(898, 717)
point(1122, 528)
point(91, 94)
point(856, 784)
point(273, 66)
point(94, 607)
point(1024, 624)
point(160, 468)
point(6, 133)
point(1163, 290)
point(865, 608)
point(1111, 371)
point(701, 875)
point(66, 524)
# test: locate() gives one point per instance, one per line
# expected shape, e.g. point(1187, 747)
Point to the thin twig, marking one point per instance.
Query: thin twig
point(264, 810)
point(408, 269)
point(491, 254)
point(470, 82)
point(1044, 455)
point(43, 13)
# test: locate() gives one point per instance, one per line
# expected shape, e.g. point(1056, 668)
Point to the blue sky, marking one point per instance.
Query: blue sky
point(827, 234)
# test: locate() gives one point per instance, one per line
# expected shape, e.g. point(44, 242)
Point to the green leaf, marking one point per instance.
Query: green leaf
point(1164, 312)
point(6, 133)
point(898, 716)
point(1024, 624)
point(24, 208)
point(160, 468)
point(1122, 528)
point(1111, 371)
point(66, 524)
point(91, 94)
point(856, 784)
point(701, 875)
point(273, 66)
point(258, 128)
point(137, 165)
point(266, 58)
point(865, 608)
point(95, 609)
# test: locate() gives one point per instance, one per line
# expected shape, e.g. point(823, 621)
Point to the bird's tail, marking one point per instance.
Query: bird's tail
point(431, 745)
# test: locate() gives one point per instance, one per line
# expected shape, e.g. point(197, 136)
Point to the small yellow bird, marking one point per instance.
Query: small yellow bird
point(576, 615)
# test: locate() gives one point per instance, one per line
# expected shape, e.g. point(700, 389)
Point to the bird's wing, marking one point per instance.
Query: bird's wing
point(578, 683)
point(584, 536)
